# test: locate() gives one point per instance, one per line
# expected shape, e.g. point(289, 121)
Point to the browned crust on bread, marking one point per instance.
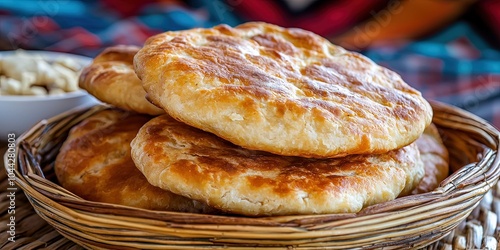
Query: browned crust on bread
point(285, 91)
point(111, 78)
point(202, 166)
point(435, 158)
point(95, 164)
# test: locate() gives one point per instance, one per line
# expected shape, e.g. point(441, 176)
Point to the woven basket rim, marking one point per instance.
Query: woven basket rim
point(461, 191)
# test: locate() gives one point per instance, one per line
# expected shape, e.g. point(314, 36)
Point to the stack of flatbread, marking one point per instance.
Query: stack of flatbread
point(256, 120)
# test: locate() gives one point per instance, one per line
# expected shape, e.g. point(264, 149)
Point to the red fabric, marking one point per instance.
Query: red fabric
point(338, 16)
point(43, 24)
point(330, 19)
point(491, 12)
point(263, 10)
point(126, 8)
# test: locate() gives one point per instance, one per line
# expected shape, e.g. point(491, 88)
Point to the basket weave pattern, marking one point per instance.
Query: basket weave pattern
point(408, 222)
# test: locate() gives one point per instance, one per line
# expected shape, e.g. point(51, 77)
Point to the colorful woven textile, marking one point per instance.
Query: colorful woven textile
point(443, 48)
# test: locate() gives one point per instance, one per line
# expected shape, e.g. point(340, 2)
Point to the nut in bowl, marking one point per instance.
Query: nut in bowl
point(36, 85)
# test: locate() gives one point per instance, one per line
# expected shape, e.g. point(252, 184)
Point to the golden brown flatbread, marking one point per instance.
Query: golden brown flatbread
point(111, 79)
point(95, 164)
point(204, 167)
point(284, 91)
point(435, 158)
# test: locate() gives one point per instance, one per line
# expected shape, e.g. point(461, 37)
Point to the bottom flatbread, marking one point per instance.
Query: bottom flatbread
point(95, 164)
point(435, 158)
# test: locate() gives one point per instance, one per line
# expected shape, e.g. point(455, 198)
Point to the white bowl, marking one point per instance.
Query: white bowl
point(19, 113)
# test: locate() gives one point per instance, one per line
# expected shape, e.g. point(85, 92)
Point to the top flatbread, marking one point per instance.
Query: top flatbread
point(111, 79)
point(199, 165)
point(285, 91)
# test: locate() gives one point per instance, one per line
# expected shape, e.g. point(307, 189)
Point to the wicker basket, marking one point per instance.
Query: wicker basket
point(408, 222)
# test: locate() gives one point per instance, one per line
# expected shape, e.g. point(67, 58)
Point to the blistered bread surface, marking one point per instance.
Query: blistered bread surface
point(285, 91)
